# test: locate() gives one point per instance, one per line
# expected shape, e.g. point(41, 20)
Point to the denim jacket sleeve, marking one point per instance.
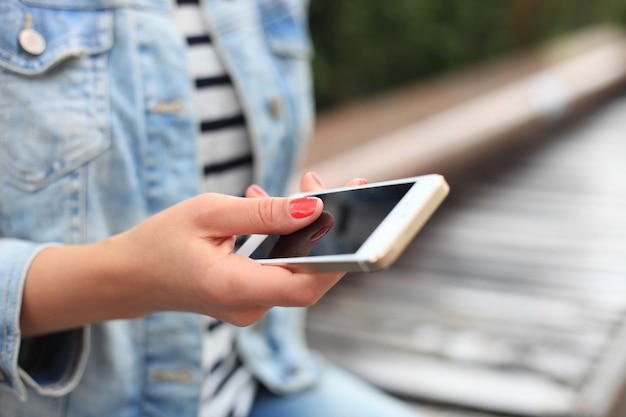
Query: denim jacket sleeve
point(27, 361)
point(30, 160)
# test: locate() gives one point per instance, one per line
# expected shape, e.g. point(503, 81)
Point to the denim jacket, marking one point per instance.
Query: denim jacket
point(97, 133)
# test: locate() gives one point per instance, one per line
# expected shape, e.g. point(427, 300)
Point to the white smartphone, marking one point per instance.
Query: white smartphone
point(362, 228)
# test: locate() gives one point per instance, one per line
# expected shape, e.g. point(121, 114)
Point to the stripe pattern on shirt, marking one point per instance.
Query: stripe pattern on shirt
point(225, 164)
point(223, 143)
point(228, 388)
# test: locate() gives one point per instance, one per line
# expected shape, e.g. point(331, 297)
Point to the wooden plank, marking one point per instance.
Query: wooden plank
point(513, 298)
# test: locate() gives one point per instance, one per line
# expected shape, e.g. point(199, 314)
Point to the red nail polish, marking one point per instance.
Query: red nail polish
point(300, 208)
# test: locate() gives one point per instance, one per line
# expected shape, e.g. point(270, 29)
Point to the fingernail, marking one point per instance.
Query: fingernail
point(300, 208)
point(320, 233)
point(257, 190)
point(317, 179)
point(362, 181)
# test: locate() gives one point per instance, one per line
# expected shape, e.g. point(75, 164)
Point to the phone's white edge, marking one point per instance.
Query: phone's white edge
point(430, 190)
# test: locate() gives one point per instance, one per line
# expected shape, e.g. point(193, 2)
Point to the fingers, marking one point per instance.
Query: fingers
point(311, 182)
point(221, 215)
point(308, 183)
point(255, 191)
point(356, 181)
point(277, 286)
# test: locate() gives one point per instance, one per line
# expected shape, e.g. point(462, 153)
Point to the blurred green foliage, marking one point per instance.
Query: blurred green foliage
point(366, 46)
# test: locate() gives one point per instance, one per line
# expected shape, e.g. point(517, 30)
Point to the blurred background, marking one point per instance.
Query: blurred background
point(512, 300)
point(366, 48)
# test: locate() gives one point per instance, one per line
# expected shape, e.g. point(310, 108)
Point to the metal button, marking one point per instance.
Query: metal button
point(170, 107)
point(276, 107)
point(31, 41)
point(184, 376)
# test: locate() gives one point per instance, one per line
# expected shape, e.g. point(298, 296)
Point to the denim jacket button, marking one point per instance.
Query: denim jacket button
point(276, 107)
point(31, 41)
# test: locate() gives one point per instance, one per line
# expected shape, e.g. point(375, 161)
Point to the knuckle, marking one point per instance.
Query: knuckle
point(228, 298)
point(200, 205)
point(266, 211)
point(241, 321)
point(204, 199)
point(305, 298)
point(247, 317)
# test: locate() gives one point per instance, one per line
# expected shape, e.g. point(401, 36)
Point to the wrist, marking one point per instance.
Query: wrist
point(123, 283)
point(71, 286)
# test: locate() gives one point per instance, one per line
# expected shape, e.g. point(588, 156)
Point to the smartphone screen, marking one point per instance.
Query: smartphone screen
point(348, 219)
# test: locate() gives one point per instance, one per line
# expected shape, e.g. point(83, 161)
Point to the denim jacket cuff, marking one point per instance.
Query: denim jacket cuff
point(62, 356)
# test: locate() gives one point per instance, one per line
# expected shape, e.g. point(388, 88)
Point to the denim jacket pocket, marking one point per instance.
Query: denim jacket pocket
point(53, 106)
point(38, 406)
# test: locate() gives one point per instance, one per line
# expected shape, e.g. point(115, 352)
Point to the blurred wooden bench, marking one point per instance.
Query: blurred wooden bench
point(449, 123)
point(512, 301)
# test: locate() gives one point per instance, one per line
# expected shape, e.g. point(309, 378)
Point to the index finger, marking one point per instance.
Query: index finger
point(221, 215)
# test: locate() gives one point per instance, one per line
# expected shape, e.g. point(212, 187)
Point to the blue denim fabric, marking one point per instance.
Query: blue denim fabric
point(338, 394)
point(96, 134)
point(272, 68)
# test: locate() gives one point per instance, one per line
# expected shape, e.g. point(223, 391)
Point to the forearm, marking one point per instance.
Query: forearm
point(71, 286)
point(180, 259)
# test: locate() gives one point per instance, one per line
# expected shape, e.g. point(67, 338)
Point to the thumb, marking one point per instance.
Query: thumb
point(227, 216)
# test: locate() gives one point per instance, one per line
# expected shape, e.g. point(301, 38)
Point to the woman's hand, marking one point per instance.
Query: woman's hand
point(179, 259)
point(183, 257)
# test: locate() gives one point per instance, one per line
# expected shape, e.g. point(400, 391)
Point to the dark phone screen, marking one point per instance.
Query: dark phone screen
point(348, 219)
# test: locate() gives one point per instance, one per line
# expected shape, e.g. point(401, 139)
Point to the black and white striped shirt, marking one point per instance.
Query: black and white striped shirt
point(225, 162)
point(228, 389)
point(224, 150)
